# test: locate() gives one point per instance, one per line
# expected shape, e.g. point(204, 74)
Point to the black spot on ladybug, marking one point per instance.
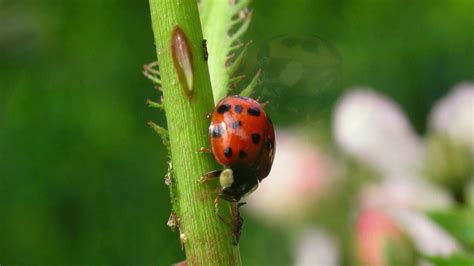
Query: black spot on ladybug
point(236, 124)
point(223, 108)
point(253, 111)
point(238, 109)
point(242, 154)
point(216, 132)
point(255, 138)
point(228, 152)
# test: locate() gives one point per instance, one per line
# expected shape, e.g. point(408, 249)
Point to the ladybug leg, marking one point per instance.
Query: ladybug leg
point(204, 150)
point(220, 196)
point(217, 201)
point(236, 222)
point(235, 238)
point(209, 175)
point(265, 104)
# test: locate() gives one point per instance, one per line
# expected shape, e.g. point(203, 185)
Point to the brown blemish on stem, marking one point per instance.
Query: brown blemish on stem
point(183, 60)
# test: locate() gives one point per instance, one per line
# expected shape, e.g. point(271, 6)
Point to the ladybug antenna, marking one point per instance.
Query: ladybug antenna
point(265, 104)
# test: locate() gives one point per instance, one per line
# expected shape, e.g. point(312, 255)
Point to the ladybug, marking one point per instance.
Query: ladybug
point(242, 140)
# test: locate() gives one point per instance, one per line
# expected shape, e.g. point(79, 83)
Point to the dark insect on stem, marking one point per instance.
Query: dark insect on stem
point(204, 49)
point(183, 60)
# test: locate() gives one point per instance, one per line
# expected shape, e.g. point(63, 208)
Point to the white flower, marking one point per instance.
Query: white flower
point(406, 201)
point(427, 236)
point(299, 177)
point(316, 248)
point(373, 129)
point(454, 114)
point(405, 193)
point(470, 192)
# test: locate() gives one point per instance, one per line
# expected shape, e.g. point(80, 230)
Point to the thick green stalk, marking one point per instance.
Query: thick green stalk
point(187, 99)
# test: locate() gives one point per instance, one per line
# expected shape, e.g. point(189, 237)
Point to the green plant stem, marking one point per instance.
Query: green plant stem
point(208, 240)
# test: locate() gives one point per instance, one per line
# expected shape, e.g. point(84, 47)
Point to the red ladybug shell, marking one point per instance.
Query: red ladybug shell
point(268, 153)
point(242, 135)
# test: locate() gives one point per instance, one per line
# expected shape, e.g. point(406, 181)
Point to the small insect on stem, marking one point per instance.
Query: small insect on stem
point(169, 175)
point(173, 221)
point(204, 49)
point(182, 239)
point(183, 60)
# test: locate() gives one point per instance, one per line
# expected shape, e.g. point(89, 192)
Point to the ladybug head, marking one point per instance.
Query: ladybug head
point(239, 187)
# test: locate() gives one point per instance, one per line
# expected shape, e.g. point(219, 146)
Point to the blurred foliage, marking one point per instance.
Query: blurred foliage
point(449, 163)
point(459, 222)
point(402, 253)
point(81, 174)
point(453, 260)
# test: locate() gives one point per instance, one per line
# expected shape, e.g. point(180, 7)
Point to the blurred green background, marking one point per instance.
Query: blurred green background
point(81, 174)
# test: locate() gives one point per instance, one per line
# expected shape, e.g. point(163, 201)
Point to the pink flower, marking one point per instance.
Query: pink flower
point(299, 177)
point(181, 263)
point(380, 241)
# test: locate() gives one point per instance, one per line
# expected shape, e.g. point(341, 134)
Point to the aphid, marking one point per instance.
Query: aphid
point(182, 239)
point(173, 221)
point(243, 141)
point(169, 175)
point(204, 49)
